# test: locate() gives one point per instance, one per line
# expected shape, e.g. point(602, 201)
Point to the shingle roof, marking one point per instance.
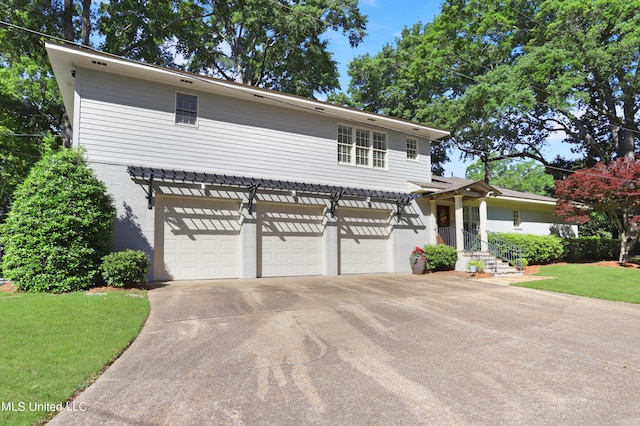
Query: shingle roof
point(444, 183)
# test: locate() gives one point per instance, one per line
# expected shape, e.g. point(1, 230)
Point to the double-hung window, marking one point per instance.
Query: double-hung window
point(186, 109)
point(379, 150)
point(517, 220)
point(362, 147)
point(345, 144)
point(412, 149)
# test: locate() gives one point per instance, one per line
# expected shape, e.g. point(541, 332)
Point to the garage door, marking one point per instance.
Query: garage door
point(364, 241)
point(199, 238)
point(290, 240)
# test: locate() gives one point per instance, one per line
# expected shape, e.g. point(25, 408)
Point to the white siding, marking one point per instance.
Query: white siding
point(130, 121)
point(537, 222)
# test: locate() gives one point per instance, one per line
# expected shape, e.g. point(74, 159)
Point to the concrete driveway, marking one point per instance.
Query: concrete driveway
point(377, 349)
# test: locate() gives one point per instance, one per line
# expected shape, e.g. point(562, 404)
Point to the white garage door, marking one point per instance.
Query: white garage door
point(199, 238)
point(364, 240)
point(290, 239)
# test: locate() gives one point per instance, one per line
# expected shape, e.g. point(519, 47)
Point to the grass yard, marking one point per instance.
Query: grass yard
point(600, 282)
point(52, 346)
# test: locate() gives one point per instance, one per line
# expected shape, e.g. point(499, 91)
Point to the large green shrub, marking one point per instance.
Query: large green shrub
point(59, 227)
point(537, 249)
point(587, 249)
point(125, 268)
point(440, 258)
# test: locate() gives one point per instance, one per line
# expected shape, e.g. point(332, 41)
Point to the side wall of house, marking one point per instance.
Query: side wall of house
point(129, 121)
point(533, 221)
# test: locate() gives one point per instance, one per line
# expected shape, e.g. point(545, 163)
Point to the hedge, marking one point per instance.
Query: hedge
point(440, 257)
point(536, 249)
point(589, 249)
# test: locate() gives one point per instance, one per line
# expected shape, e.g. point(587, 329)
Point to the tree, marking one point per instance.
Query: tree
point(525, 176)
point(59, 227)
point(31, 110)
point(503, 75)
point(275, 44)
point(612, 190)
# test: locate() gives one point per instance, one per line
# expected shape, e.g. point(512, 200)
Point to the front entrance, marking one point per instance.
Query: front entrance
point(446, 233)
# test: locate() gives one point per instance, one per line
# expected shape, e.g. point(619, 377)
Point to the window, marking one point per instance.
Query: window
point(471, 219)
point(345, 144)
point(362, 147)
point(412, 149)
point(516, 219)
point(379, 150)
point(186, 109)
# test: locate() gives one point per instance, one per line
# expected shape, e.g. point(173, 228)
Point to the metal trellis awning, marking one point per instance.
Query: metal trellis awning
point(336, 193)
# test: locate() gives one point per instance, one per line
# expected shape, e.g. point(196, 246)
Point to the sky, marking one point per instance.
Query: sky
point(386, 19)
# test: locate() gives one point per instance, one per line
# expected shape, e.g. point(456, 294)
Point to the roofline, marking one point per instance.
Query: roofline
point(527, 200)
point(66, 58)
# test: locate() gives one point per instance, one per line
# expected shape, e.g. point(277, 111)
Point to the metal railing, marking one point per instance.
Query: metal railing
point(447, 235)
point(496, 249)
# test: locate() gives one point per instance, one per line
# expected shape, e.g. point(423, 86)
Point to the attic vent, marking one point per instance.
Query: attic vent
point(104, 64)
point(319, 109)
point(182, 80)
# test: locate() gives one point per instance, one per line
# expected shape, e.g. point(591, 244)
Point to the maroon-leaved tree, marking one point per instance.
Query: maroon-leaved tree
point(612, 189)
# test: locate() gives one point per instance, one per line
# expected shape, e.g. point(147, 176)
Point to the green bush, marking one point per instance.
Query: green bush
point(537, 249)
point(440, 257)
point(125, 268)
point(479, 264)
point(59, 227)
point(588, 249)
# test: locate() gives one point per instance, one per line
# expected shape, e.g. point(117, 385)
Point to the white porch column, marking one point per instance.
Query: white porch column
point(432, 225)
point(483, 224)
point(459, 225)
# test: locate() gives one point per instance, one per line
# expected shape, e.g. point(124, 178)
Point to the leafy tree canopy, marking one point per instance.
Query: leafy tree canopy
point(276, 44)
point(611, 190)
point(503, 75)
point(525, 176)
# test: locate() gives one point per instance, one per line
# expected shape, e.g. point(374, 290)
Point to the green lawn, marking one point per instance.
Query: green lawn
point(600, 282)
point(51, 346)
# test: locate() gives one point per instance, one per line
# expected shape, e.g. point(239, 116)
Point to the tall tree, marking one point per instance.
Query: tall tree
point(266, 43)
point(525, 176)
point(611, 190)
point(503, 74)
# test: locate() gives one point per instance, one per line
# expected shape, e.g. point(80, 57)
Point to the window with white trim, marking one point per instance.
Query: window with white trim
point(412, 149)
point(517, 221)
point(186, 108)
point(379, 150)
point(362, 147)
point(345, 144)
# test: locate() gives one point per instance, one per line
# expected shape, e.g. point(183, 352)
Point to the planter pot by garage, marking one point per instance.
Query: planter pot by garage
point(418, 265)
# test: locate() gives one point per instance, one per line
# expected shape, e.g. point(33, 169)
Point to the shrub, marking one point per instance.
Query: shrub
point(587, 249)
point(59, 227)
point(125, 268)
point(537, 249)
point(479, 264)
point(440, 257)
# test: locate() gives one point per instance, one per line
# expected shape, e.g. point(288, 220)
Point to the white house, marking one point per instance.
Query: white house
point(219, 180)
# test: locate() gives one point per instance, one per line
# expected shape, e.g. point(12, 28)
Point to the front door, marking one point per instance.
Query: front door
point(445, 231)
point(444, 220)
